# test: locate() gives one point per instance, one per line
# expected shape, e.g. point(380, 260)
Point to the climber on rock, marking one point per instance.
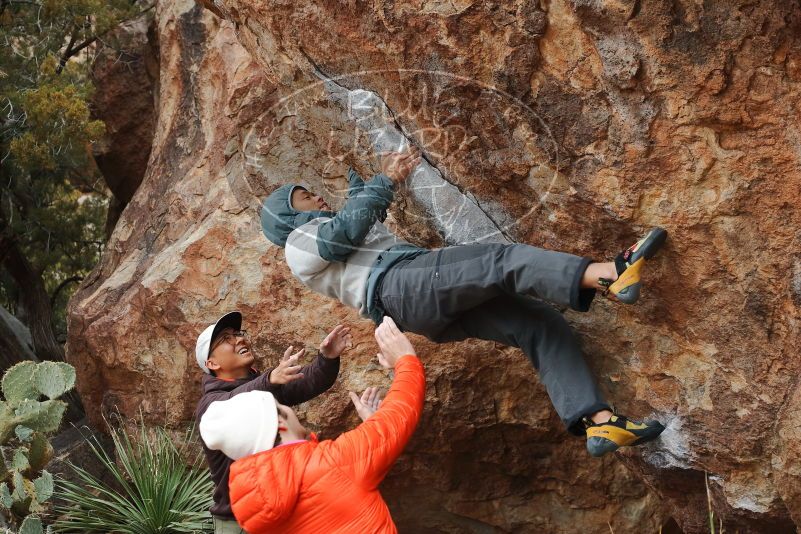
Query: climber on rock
point(223, 352)
point(284, 480)
point(484, 291)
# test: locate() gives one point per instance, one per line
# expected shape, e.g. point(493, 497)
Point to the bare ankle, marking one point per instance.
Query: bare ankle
point(595, 271)
point(601, 417)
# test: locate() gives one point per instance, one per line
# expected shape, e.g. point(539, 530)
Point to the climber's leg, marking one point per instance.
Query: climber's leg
point(549, 342)
point(429, 292)
point(545, 337)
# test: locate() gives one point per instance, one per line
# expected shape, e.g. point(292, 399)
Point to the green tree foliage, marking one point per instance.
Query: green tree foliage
point(52, 198)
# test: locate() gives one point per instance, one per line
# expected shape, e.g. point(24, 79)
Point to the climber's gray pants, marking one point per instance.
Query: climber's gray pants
point(484, 292)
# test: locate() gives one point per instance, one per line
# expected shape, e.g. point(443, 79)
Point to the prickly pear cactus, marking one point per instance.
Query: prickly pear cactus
point(31, 525)
point(18, 382)
point(53, 379)
point(29, 412)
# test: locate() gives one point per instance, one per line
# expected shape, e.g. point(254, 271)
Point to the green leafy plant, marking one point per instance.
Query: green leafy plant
point(158, 490)
point(25, 423)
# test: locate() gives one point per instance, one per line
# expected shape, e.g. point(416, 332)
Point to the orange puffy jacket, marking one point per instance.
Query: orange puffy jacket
point(331, 486)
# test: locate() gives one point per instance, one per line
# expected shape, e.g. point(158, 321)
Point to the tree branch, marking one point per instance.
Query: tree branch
point(71, 52)
point(61, 286)
point(67, 54)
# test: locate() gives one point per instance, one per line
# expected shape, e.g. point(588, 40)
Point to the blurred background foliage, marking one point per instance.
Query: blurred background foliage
point(53, 199)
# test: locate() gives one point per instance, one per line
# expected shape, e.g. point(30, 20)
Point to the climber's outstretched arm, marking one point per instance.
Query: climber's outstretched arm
point(339, 237)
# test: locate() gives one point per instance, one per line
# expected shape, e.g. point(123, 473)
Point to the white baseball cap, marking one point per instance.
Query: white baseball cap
point(229, 320)
point(242, 425)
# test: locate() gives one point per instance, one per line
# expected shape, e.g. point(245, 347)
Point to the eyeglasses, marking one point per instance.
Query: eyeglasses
point(230, 338)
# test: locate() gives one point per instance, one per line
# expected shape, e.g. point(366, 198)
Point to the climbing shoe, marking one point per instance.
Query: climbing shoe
point(629, 264)
point(619, 432)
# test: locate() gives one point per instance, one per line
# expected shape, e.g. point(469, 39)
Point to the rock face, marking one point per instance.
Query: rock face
point(126, 72)
point(16, 344)
point(569, 124)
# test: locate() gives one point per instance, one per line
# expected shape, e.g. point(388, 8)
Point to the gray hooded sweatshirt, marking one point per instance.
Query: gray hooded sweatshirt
point(342, 255)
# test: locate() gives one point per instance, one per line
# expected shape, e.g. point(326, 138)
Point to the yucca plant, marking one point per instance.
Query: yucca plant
point(158, 491)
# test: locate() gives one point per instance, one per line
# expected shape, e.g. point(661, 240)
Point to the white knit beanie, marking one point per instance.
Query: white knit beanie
point(242, 425)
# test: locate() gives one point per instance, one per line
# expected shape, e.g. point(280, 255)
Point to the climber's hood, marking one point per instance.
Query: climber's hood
point(279, 218)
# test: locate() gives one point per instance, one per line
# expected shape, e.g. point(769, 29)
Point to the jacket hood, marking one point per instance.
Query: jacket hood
point(279, 218)
point(265, 487)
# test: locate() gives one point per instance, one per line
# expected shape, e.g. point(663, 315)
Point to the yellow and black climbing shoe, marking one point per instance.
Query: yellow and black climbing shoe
point(629, 264)
point(619, 432)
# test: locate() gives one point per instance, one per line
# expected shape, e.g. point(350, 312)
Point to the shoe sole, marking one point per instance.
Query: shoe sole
point(598, 446)
point(630, 294)
point(657, 432)
point(651, 244)
point(627, 287)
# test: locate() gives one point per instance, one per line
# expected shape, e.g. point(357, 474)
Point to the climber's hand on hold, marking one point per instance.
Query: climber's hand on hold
point(392, 343)
point(367, 404)
point(335, 343)
point(288, 368)
point(399, 165)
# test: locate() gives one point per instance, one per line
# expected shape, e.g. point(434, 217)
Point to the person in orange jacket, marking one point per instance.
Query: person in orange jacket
point(284, 480)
